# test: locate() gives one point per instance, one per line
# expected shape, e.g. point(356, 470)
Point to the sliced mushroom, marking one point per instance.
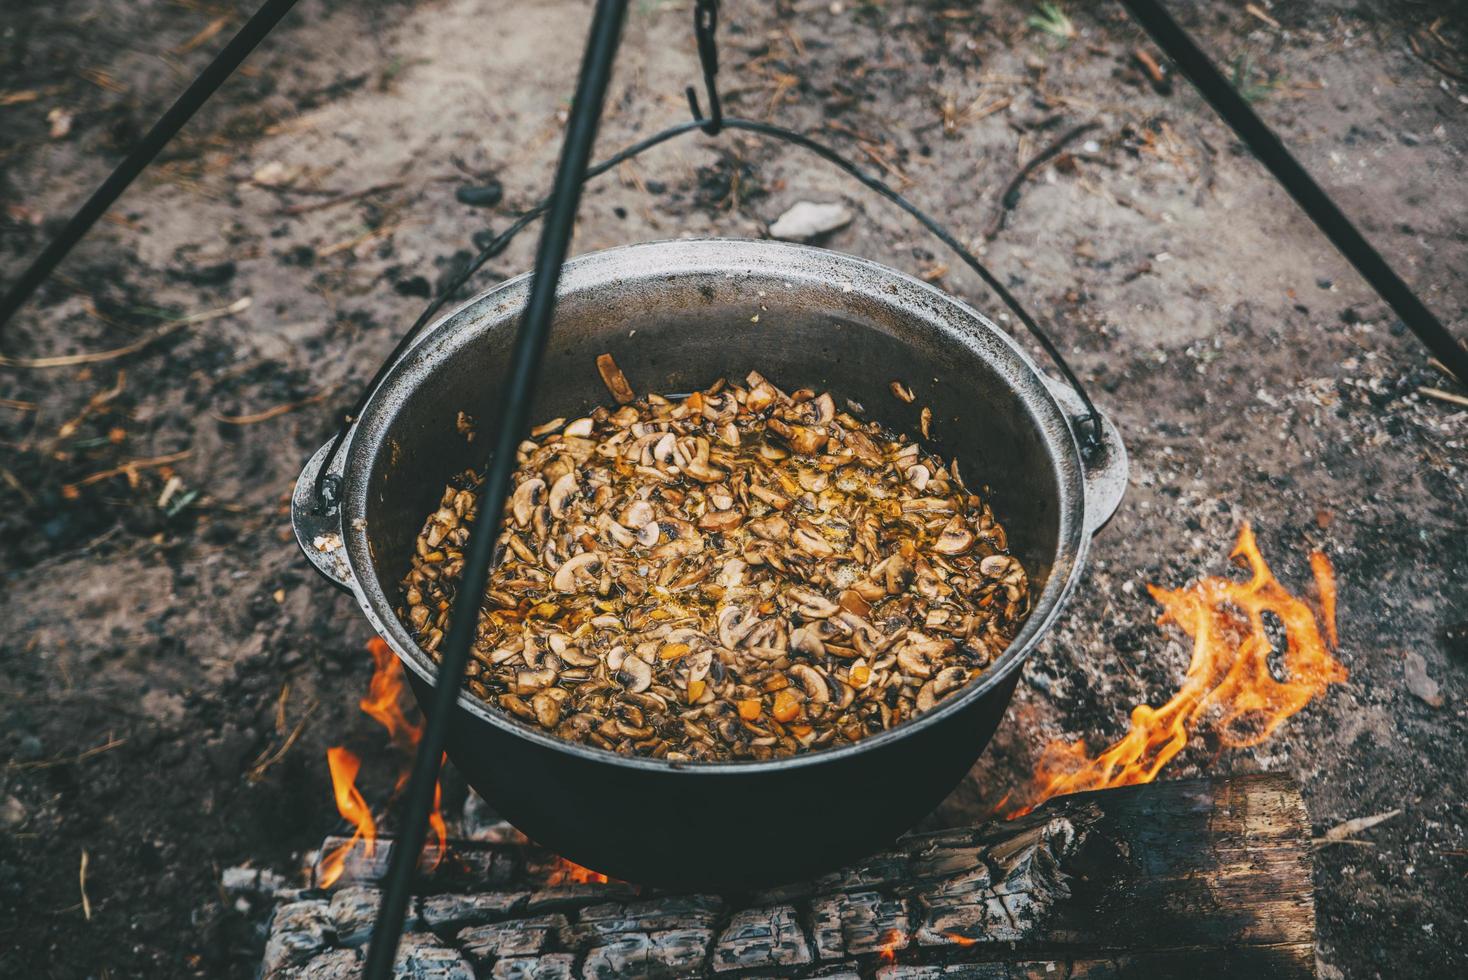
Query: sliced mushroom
point(720, 520)
point(807, 640)
point(735, 623)
point(772, 528)
point(812, 543)
point(635, 674)
point(921, 656)
point(949, 679)
point(649, 533)
point(956, 537)
point(577, 570)
point(561, 493)
point(811, 682)
point(811, 605)
point(902, 392)
point(614, 379)
point(525, 499)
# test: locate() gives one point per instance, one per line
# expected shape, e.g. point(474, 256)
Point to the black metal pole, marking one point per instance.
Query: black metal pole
point(1266, 146)
point(514, 420)
point(223, 65)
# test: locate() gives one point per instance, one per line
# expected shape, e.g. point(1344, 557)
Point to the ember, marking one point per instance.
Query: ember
point(1228, 686)
point(383, 704)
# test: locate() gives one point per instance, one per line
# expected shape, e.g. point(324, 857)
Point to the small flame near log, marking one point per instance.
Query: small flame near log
point(571, 873)
point(344, 766)
point(1228, 685)
point(383, 704)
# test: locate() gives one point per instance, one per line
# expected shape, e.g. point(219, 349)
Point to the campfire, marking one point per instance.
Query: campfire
point(1229, 688)
point(984, 893)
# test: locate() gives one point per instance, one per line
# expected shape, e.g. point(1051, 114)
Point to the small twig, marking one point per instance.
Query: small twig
point(1442, 396)
point(1344, 833)
point(108, 746)
point(1009, 200)
point(1150, 66)
point(1254, 11)
point(267, 759)
point(381, 231)
point(17, 404)
point(891, 169)
point(71, 360)
point(131, 466)
point(276, 412)
point(306, 208)
point(204, 36)
point(82, 881)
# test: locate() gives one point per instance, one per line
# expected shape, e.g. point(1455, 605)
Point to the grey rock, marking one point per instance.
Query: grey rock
point(807, 220)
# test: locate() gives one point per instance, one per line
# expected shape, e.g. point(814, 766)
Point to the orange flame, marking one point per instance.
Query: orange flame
point(1228, 683)
point(571, 873)
point(344, 767)
point(891, 943)
point(383, 704)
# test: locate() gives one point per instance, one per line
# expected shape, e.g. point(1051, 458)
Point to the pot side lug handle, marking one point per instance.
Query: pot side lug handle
point(1105, 464)
point(318, 524)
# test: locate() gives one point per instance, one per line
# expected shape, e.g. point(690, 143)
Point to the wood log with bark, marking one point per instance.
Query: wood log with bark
point(1194, 878)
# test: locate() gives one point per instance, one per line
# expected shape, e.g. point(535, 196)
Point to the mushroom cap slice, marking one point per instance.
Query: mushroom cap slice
point(575, 568)
point(525, 499)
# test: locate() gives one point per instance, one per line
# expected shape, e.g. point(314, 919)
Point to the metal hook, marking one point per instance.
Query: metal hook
point(705, 27)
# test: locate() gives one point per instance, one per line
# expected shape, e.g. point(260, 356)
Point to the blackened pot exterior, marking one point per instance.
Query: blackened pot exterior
point(712, 830)
point(677, 316)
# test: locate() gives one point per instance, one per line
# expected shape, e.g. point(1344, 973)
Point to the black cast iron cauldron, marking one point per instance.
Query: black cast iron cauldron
point(678, 315)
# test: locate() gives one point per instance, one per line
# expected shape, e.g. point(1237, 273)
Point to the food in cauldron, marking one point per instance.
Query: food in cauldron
point(737, 573)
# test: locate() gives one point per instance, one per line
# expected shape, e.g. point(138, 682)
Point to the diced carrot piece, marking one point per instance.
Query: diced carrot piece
point(786, 707)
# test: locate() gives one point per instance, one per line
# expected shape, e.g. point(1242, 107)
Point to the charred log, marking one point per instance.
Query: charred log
point(1200, 878)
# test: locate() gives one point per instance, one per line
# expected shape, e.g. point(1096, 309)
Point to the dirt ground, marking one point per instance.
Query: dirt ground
point(174, 671)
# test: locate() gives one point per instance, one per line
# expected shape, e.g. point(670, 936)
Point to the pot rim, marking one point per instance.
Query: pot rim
point(811, 266)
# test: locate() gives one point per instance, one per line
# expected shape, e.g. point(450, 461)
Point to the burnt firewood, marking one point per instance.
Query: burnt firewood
point(1199, 878)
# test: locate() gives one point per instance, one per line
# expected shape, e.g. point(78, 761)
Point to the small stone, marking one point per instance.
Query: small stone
point(808, 220)
point(29, 749)
point(414, 286)
point(482, 196)
point(1414, 672)
point(483, 238)
point(1456, 638)
point(12, 813)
